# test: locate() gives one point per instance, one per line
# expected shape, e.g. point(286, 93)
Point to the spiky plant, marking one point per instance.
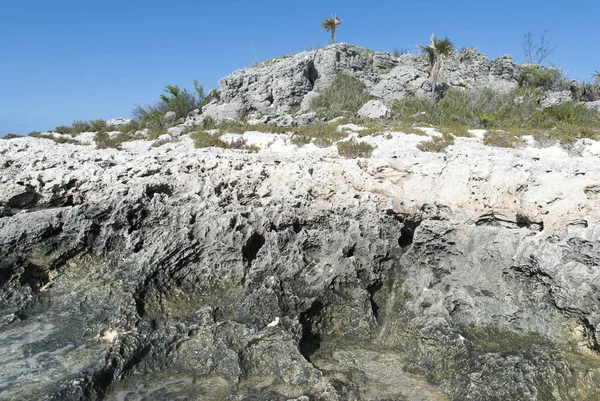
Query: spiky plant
point(436, 51)
point(596, 76)
point(330, 25)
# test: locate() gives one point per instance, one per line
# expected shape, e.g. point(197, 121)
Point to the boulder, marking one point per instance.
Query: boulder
point(374, 109)
point(307, 118)
point(556, 98)
point(284, 120)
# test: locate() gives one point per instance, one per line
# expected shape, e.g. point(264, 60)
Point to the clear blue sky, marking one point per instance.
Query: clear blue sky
point(65, 60)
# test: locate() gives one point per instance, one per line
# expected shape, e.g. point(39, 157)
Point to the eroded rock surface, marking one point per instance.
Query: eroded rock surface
point(287, 274)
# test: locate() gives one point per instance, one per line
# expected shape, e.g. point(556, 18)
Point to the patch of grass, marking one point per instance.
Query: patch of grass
point(344, 97)
point(502, 139)
point(352, 149)
point(60, 139)
point(567, 112)
point(456, 130)
point(323, 133)
point(203, 139)
point(436, 144)
point(370, 51)
point(12, 136)
point(104, 140)
point(300, 140)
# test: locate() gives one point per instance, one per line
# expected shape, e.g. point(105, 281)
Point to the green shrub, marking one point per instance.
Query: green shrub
point(77, 127)
point(541, 77)
point(567, 112)
point(345, 96)
point(63, 129)
point(436, 144)
point(352, 149)
point(501, 139)
point(12, 136)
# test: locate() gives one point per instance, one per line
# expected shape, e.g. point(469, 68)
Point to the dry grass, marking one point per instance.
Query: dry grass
point(436, 144)
point(352, 149)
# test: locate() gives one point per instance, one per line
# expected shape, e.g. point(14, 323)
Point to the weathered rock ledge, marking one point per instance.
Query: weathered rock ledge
point(182, 273)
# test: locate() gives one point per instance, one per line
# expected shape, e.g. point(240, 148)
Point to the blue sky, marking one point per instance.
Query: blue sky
point(65, 60)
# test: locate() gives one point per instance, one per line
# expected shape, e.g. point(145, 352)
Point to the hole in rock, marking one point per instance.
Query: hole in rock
point(24, 200)
point(253, 245)
point(407, 233)
point(311, 340)
point(372, 289)
point(153, 189)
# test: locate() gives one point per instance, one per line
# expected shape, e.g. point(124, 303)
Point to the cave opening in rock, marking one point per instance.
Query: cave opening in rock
point(407, 233)
point(252, 246)
point(311, 339)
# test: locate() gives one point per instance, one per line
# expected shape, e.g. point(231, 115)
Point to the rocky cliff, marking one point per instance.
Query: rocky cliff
point(275, 86)
point(294, 274)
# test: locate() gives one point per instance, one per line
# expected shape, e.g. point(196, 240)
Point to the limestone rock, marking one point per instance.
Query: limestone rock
point(556, 98)
point(374, 109)
point(157, 273)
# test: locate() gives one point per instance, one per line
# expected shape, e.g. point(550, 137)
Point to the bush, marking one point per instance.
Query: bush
point(352, 149)
point(63, 129)
point(345, 96)
point(567, 112)
point(436, 144)
point(174, 99)
point(533, 76)
point(12, 136)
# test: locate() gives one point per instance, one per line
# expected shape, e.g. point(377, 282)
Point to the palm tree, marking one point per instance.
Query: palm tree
point(437, 50)
point(596, 76)
point(330, 25)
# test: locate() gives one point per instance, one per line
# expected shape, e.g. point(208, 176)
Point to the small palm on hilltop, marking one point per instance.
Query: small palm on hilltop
point(436, 51)
point(330, 25)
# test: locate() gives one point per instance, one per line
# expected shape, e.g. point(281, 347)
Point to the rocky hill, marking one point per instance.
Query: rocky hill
point(284, 271)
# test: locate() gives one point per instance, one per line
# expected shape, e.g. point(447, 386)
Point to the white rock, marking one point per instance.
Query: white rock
point(374, 109)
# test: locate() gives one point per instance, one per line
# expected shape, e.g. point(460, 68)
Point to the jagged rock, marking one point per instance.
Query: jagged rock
point(118, 121)
point(556, 98)
point(374, 109)
point(227, 111)
point(183, 273)
point(307, 118)
point(170, 115)
point(595, 105)
point(284, 120)
point(297, 79)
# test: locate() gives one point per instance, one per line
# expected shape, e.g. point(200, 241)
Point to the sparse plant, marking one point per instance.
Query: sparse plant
point(57, 139)
point(352, 149)
point(203, 139)
point(501, 139)
point(536, 53)
point(436, 144)
point(596, 76)
point(344, 97)
point(399, 52)
point(437, 50)
point(331, 24)
point(300, 140)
